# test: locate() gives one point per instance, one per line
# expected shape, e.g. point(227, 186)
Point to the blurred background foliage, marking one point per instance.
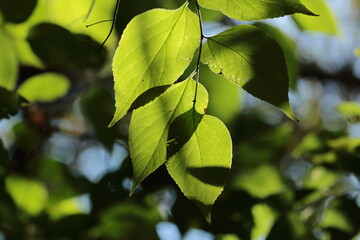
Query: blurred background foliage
point(65, 175)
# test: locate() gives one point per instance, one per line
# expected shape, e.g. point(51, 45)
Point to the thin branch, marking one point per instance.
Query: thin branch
point(113, 23)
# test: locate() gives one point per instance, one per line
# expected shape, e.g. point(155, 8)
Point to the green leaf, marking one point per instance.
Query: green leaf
point(258, 66)
point(255, 9)
point(8, 62)
point(149, 127)
point(10, 103)
point(289, 48)
point(45, 87)
point(155, 49)
point(29, 195)
point(325, 22)
point(201, 166)
point(350, 110)
point(17, 11)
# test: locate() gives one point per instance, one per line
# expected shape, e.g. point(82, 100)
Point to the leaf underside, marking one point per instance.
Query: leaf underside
point(258, 66)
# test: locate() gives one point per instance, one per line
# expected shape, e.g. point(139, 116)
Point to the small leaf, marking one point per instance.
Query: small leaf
point(258, 66)
point(325, 22)
point(149, 127)
point(350, 110)
point(155, 49)
point(256, 9)
point(10, 103)
point(29, 195)
point(44, 87)
point(201, 166)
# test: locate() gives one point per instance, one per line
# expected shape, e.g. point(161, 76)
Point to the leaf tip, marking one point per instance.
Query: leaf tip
point(286, 108)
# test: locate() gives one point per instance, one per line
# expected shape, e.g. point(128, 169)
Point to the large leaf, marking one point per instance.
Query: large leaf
point(201, 166)
point(289, 48)
point(325, 22)
point(256, 9)
point(155, 49)
point(149, 127)
point(258, 66)
point(8, 62)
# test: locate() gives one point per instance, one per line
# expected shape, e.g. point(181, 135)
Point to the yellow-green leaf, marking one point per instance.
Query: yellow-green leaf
point(155, 49)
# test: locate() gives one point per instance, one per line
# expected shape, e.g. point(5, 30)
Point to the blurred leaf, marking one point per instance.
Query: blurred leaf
point(224, 101)
point(100, 117)
point(45, 87)
point(4, 159)
point(254, 9)
point(10, 103)
point(350, 110)
point(127, 222)
point(348, 144)
point(158, 54)
point(8, 61)
point(264, 218)
point(203, 162)
point(320, 178)
point(262, 71)
point(17, 11)
point(29, 195)
point(289, 48)
point(70, 206)
point(149, 127)
point(342, 214)
point(27, 138)
point(57, 47)
point(357, 52)
point(260, 182)
point(325, 22)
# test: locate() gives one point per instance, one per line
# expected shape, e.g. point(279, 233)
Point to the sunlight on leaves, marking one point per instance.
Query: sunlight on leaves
point(155, 49)
point(264, 218)
point(350, 110)
point(325, 22)
point(258, 66)
point(30, 195)
point(261, 182)
point(149, 127)
point(66, 207)
point(255, 9)
point(201, 166)
point(8, 62)
point(44, 87)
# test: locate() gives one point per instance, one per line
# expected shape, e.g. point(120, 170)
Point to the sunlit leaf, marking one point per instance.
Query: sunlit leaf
point(320, 178)
point(350, 110)
point(261, 182)
point(29, 195)
point(289, 48)
point(257, 66)
point(44, 87)
point(8, 62)
point(357, 52)
point(155, 49)
point(17, 10)
point(70, 206)
point(325, 22)
point(255, 9)
point(201, 166)
point(264, 218)
point(225, 97)
point(149, 127)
